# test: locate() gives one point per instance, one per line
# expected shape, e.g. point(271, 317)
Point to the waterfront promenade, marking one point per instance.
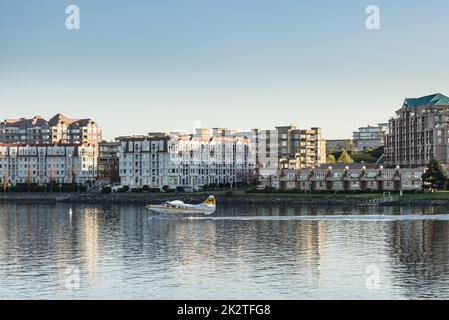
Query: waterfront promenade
point(235, 197)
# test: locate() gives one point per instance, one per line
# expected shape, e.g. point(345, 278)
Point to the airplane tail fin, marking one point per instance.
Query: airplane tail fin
point(210, 201)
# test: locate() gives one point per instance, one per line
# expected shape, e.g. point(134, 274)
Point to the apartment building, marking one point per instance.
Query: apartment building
point(43, 163)
point(264, 149)
point(370, 136)
point(300, 148)
point(108, 162)
point(58, 130)
point(347, 179)
point(419, 132)
point(208, 156)
point(144, 160)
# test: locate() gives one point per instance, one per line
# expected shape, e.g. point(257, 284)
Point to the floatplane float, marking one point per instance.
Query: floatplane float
point(208, 207)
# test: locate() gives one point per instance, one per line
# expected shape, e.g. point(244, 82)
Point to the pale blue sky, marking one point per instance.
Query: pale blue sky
point(136, 66)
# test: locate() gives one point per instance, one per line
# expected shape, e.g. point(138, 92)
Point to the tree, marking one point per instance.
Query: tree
point(377, 152)
point(331, 159)
point(435, 176)
point(362, 157)
point(247, 177)
point(52, 177)
point(5, 177)
point(345, 157)
point(106, 190)
point(74, 171)
point(30, 175)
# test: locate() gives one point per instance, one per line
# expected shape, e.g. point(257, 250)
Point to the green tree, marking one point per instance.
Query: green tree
point(435, 176)
point(106, 190)
point(377, 152)
point(362, 157)
point(331, 159)
point(345, 157)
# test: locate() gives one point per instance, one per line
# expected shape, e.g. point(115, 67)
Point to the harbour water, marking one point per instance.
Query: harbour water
point(242, 252)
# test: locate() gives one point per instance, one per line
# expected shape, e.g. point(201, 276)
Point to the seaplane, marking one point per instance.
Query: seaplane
point(208, 207)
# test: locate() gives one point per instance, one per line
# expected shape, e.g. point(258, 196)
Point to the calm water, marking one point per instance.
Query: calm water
point(243, 252)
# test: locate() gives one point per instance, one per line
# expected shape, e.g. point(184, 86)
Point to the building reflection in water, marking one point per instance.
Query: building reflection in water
point(117, 245)
point(91, 248)
point(420, 259)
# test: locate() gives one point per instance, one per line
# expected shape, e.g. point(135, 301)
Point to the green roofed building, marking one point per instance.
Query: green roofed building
point(419, 132)
point(433, 100)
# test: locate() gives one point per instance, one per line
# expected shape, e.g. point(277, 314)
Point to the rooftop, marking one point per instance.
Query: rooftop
point(39, 121)
point(436, 99)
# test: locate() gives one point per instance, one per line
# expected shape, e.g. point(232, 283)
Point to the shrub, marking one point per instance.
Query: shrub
point(137, 190)
point(146, 188)
point(165, 188)
point(41, 188)
point(180, 189)
point(228, 193)
point(125, 188)
point(106, 190)
point(266, 190)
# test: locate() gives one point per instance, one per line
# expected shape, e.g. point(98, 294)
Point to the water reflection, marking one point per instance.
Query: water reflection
point(421, 252)
point(123, 253)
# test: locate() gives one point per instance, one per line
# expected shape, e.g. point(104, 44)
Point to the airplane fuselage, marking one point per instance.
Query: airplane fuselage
point(179, 207)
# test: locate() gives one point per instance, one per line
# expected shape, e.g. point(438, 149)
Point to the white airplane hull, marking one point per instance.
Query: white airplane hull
point(180, 208)
point(165, 210)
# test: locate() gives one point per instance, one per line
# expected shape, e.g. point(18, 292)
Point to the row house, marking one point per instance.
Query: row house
point(347, 179)
point(191, 161)
point(43, 164)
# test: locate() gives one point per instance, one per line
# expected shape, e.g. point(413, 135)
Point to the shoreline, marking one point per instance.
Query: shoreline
point(237, 198)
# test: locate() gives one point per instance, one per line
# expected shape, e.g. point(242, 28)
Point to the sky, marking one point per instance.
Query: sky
point(139, 66)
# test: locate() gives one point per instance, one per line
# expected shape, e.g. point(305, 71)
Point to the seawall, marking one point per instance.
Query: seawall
point(156, 198)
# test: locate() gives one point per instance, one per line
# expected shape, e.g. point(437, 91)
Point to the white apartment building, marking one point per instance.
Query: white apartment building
point(209, 156)
point(43, 163)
